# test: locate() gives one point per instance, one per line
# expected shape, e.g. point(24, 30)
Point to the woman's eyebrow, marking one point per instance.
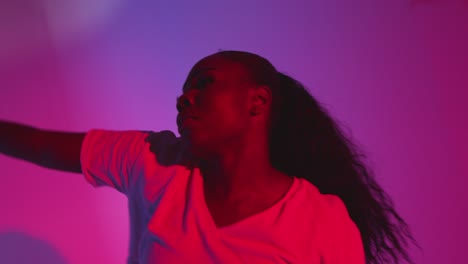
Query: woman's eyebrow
point(194, 74)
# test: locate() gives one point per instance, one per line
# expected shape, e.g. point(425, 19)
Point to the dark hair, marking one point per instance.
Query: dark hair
point(306, 142)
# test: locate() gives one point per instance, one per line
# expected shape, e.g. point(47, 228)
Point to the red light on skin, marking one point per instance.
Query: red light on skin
point(187, 123)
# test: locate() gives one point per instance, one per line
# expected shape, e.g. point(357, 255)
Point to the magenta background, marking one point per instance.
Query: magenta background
point(394, 72)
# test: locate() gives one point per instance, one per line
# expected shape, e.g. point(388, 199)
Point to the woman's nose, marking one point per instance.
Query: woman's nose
point(183, 102)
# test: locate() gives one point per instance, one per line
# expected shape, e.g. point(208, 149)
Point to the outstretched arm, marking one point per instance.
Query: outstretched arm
point(51, 149)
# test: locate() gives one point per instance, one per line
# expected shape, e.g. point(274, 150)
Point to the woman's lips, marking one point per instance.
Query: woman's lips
point(186, 122)
point(181, 118)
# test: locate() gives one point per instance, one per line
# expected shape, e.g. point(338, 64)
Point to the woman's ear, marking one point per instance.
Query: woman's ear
point(261, 100)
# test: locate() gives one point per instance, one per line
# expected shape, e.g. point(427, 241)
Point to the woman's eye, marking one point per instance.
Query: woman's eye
point(203, 82)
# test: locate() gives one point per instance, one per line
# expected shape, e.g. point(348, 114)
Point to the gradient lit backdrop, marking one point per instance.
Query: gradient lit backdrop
point(394, 73)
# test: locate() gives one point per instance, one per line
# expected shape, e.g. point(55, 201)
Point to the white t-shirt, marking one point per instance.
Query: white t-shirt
point(170, 222)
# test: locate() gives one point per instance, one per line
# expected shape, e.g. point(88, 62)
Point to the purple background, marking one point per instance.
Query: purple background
point(393, 72)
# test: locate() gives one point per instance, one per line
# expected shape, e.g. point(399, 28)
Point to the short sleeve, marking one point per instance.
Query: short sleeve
point(109, 157)
point(345, 242)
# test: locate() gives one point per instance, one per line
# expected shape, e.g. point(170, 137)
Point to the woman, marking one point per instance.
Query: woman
point(260, 174)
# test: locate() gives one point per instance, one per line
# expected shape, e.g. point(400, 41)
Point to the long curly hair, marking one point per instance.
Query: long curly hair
point(305, 141)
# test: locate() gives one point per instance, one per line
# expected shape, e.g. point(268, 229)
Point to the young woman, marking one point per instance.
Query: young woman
point(260, 174)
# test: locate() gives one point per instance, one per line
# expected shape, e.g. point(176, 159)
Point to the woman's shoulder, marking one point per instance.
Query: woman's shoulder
point(326, 203)
point(168, 149)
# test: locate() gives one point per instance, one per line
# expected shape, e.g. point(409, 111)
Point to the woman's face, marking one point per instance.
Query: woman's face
point(216, 95)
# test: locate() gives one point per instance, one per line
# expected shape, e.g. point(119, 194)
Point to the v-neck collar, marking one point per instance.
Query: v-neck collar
point(205, 213)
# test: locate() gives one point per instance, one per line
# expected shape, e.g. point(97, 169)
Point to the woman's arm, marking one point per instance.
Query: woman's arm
point(50, 149)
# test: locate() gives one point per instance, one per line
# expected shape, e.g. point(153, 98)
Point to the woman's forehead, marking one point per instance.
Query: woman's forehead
point(221, 68)
point(218, 64)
